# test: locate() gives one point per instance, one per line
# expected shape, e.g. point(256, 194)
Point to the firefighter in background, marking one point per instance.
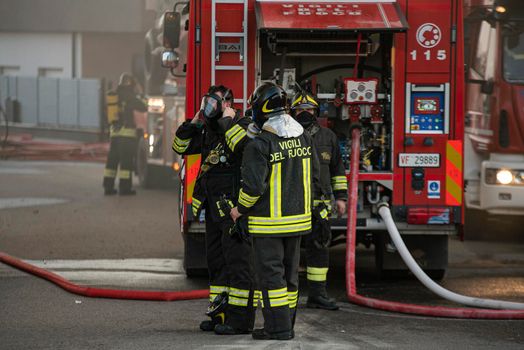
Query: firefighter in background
point(276, 196)
point(220, 139)
point(305, 109)
point(121, 106)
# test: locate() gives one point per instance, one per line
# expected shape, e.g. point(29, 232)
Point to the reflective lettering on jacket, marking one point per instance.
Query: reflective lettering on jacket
point(277, 189)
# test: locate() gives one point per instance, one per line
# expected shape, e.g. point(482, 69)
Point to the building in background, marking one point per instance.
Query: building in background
point(58, 56)
point(73, 38)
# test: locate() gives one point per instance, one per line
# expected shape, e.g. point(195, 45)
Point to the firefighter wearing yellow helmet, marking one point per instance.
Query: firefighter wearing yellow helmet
point(305, 109)
point(121, 105)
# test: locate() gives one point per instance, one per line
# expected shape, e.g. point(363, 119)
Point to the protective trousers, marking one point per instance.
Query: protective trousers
point(317, 262)
point(276, 267)
point(230, 266)
point(122, 150)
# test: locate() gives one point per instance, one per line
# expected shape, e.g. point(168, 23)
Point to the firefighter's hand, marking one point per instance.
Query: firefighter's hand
point(341, 207)
point(229, 112)
point(196, 118)
point(235, 214)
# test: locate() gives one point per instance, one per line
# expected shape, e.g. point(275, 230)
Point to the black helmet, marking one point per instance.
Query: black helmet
point(267, 99)
point(126, 79)
point(304, 100)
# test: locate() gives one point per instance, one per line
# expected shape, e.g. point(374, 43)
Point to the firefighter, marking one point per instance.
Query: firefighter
point(123, 135)
point(276, 196)
point(305, 109)
point(220, 139)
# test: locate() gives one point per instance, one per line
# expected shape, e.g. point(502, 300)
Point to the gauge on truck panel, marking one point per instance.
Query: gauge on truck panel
point(427, 109)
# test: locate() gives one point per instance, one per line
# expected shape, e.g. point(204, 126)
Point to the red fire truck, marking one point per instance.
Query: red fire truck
point(494, 122)
point(406, 91)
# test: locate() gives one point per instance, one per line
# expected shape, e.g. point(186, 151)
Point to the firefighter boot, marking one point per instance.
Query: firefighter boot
point(109, 191)
point(318, 298)
point(209, 325)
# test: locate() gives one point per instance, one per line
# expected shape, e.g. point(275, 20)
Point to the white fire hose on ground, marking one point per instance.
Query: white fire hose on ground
point(385, 214)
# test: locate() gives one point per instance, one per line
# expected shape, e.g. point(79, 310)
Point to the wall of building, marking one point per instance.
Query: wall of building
point(37, 54)
point(108, 55)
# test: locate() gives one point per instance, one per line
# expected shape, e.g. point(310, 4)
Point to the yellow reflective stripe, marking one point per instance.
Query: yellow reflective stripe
point(234, 136)
point(310, 99)
point(277, 292)
point(306, 178)
point(109, 172)
point(283, 220)
point(239, 292)
point(339, 183)
point(195, 205)
point(125, 132)
point(297, 100)
point(180, 145)
point(324, 213)
point(275, 190)
point(327, 203)
point(247, 200)
point(124, 174)
point(278, 297)
point(237, 301)
point(278, 302)
point(318, 274)
point(257, 295)
point(278, 230)
point(293, 298)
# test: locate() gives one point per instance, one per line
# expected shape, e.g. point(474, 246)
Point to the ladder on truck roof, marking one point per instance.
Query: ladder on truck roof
point(242, 47)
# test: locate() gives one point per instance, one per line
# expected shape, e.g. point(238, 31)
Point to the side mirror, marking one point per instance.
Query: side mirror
point(171, 30)
point(170, 59)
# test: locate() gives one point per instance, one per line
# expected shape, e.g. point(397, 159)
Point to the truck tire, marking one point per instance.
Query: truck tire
point(431, 252)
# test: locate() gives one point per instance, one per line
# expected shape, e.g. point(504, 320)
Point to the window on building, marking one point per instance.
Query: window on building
point(50, 72)
point(9, 70)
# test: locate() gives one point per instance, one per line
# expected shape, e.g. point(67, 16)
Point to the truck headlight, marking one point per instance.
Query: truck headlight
point(504, 177)
point(156, 105)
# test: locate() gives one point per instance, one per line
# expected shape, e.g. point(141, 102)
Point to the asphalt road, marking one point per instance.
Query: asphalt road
point(54, 215)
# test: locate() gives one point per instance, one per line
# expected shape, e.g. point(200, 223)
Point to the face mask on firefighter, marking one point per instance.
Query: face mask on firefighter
point(211, 105)
point(305, 118)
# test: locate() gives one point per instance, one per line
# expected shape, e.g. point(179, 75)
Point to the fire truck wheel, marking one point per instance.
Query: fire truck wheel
point(436, 275)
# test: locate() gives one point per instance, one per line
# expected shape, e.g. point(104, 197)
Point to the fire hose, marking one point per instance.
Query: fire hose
point(510, 310)
point(102, 292)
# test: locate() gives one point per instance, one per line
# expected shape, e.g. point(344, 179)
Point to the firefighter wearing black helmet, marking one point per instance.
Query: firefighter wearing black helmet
point(123, 136)
point(305, 109)
point(220, 136)
point(278, 170)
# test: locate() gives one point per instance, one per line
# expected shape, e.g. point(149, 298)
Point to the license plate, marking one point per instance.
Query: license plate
point(423, 160)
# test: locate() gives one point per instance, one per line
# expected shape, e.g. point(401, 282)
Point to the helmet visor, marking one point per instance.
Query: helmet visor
point(211, 106)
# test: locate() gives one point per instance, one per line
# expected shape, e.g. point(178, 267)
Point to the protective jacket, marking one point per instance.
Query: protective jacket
point(280, 179)
point(332, 173)
point(128, 102)
point(221, 152)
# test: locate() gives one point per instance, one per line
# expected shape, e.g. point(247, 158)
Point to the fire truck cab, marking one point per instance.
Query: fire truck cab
point(494, 123)
point(394, 67)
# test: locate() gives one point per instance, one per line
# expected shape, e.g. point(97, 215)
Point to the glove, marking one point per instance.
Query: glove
point(321, 229)
point(239, 230)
